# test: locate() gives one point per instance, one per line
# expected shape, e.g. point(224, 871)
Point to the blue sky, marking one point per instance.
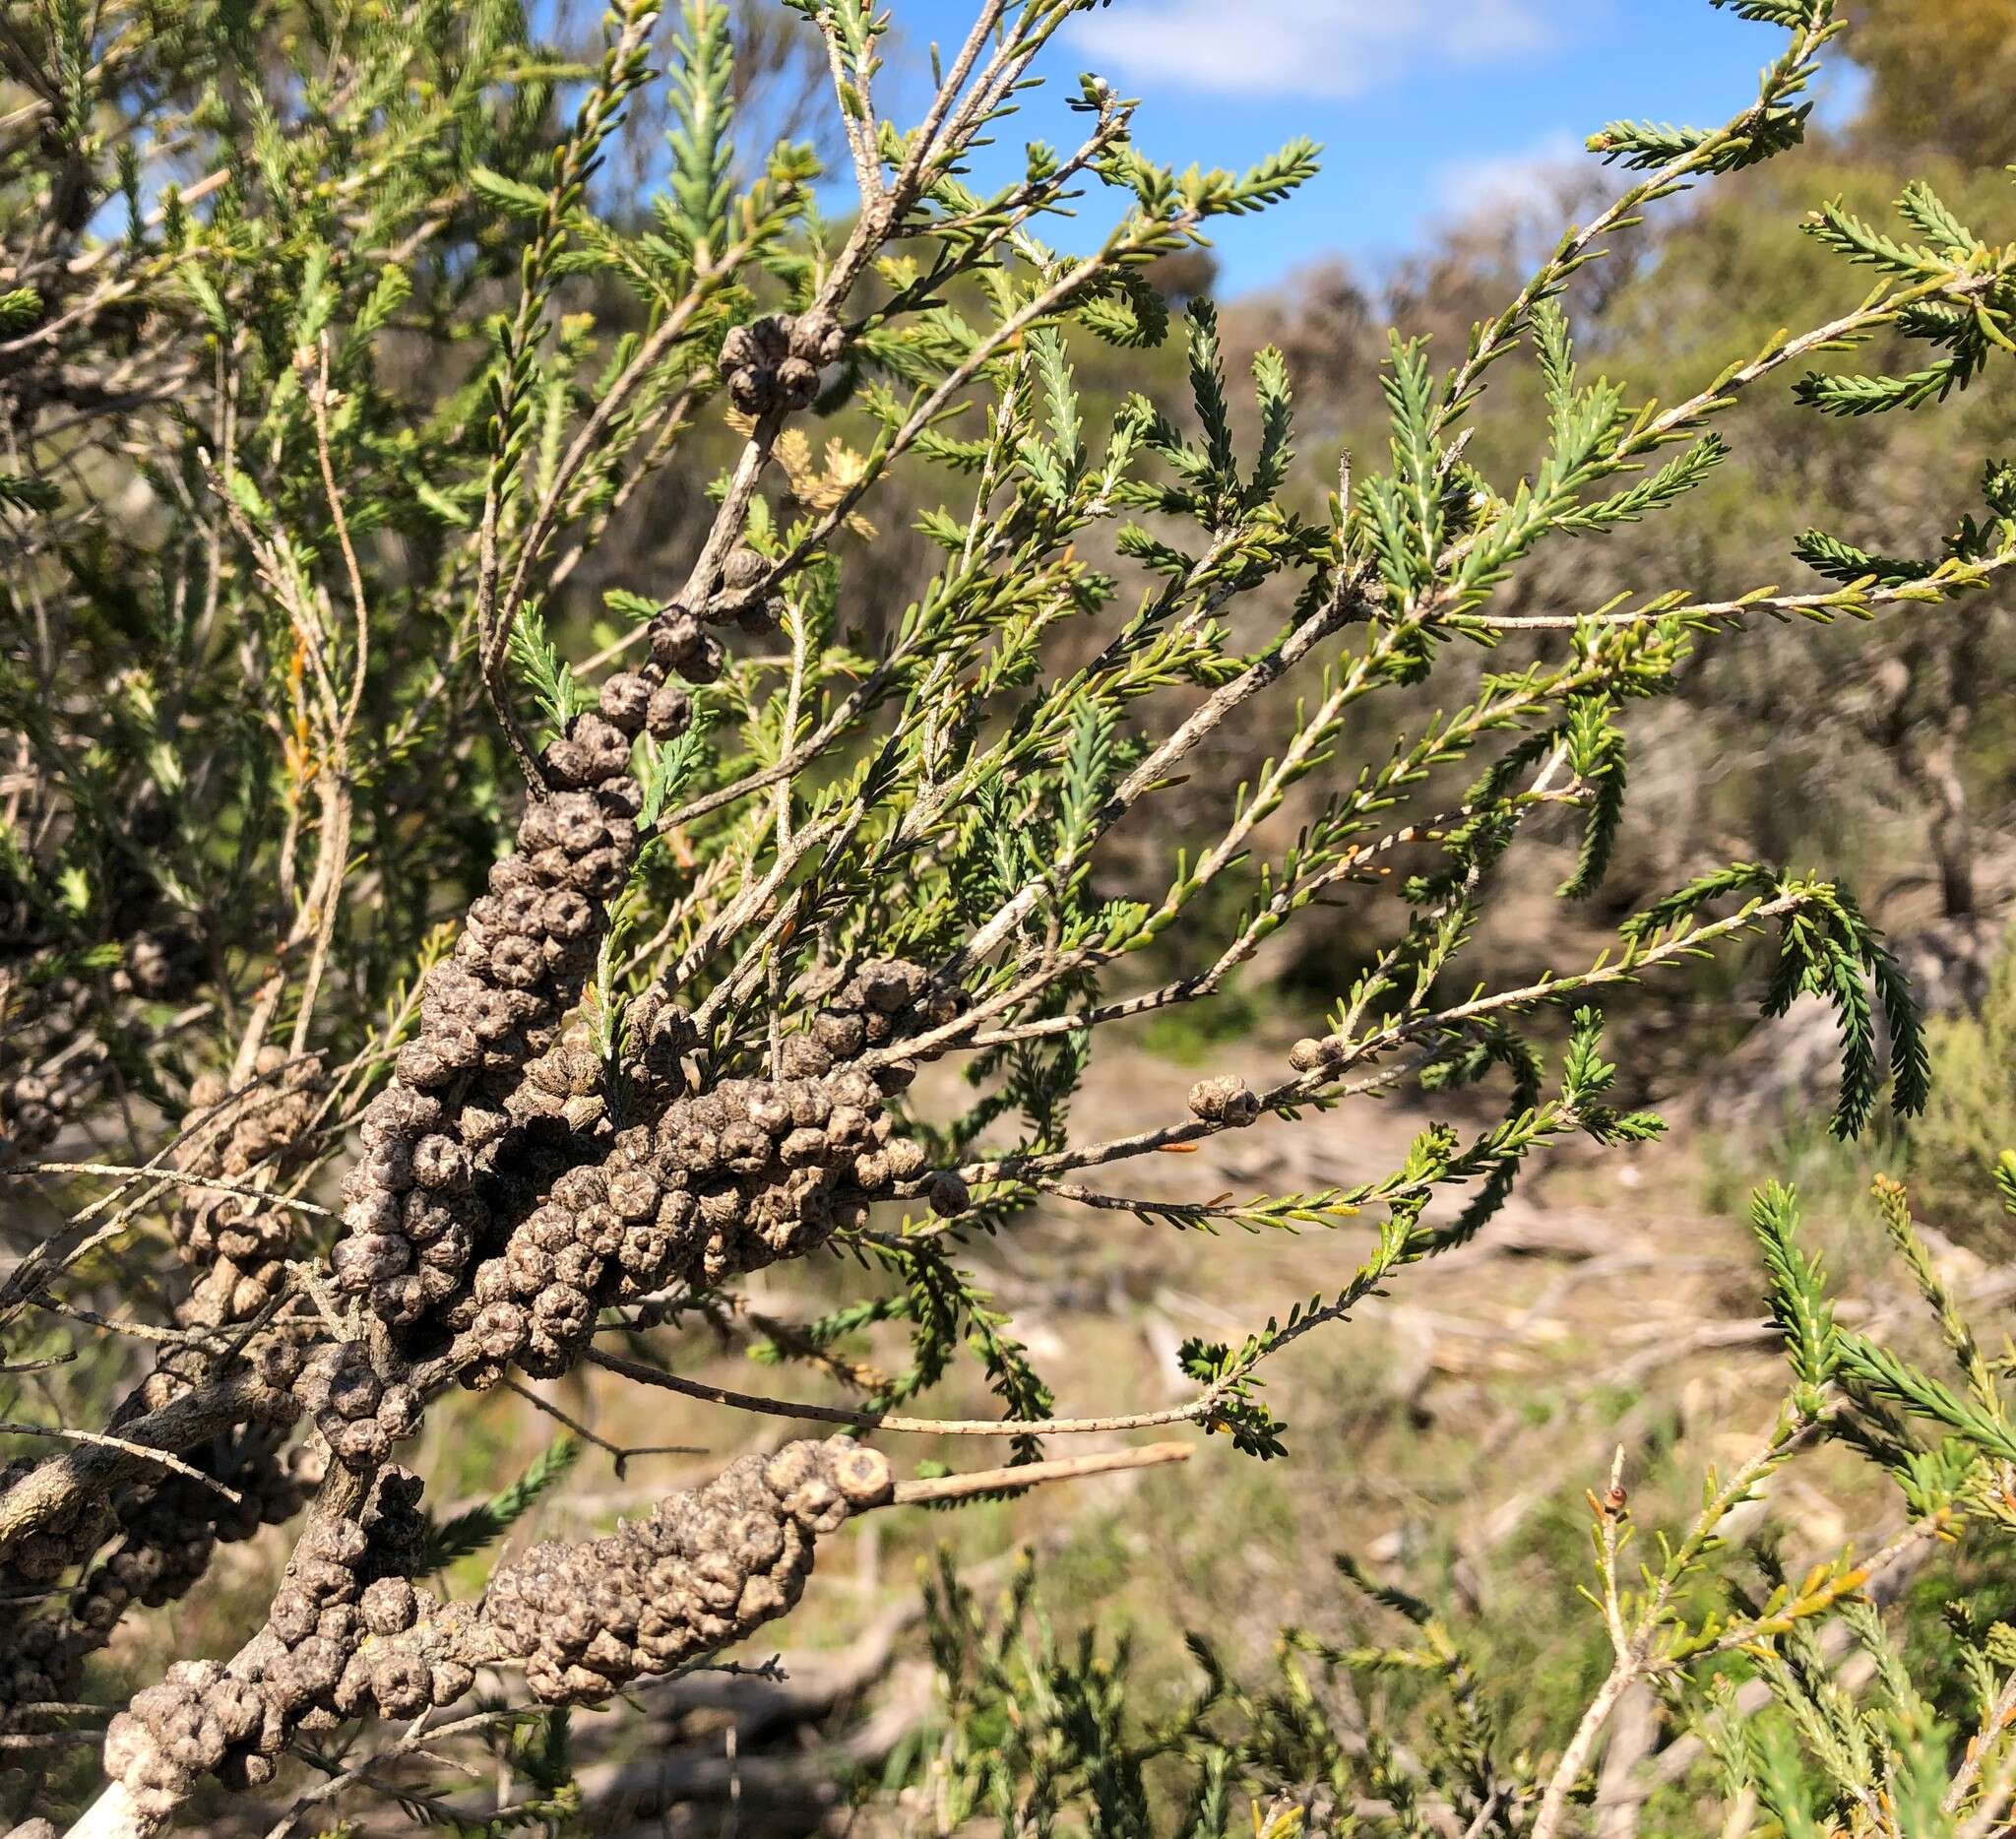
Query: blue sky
point(1422, 106)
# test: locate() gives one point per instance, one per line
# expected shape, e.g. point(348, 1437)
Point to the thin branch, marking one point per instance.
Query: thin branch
point(1198, 1407)
point(139, 1452)
point(1034, 1474)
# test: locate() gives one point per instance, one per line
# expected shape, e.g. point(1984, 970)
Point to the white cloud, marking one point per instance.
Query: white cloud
point(1505, 184)
point(1330, 48)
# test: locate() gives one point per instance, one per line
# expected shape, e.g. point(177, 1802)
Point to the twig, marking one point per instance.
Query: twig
point(171, 1177)
point(140, 1451)
point(1031, 1474)
point(1199, 1407)
point(620, 1456)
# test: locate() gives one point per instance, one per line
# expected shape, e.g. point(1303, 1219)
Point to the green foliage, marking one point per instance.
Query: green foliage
point(1596, 757)
point(27, 494)
point(1035, 1728)
point(1778, 122)
point(1826, 949)
point(548, 675)
point(477, 1527)
point(1799, 1301)
point(1966, 329)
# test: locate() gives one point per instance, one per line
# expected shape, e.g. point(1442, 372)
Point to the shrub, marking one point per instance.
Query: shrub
point(1969, 1118)
point(416, 979)
point(1400, 1731)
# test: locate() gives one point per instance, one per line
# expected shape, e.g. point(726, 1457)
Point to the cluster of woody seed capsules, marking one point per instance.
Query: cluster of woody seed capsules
point(359, 1414)
point(44, 1665)
point(167, 1527)
point(348, 1593)
point(170, 1530)
point(59, 1540)
point(311, 1665)
point(34, 1107)
point(490, 1059)
point(774, 363)
point(489, 1048)
point(259, 1126)
point(160, 963)
point(730, 1178)
point(706, 1568)
point(1311, 1055)
point(349, 1635)
point(235, 1241)
point(498, 1210)
point(678, 642)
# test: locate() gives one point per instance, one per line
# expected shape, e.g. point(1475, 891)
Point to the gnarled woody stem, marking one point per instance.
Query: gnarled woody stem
point(55, 1489)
